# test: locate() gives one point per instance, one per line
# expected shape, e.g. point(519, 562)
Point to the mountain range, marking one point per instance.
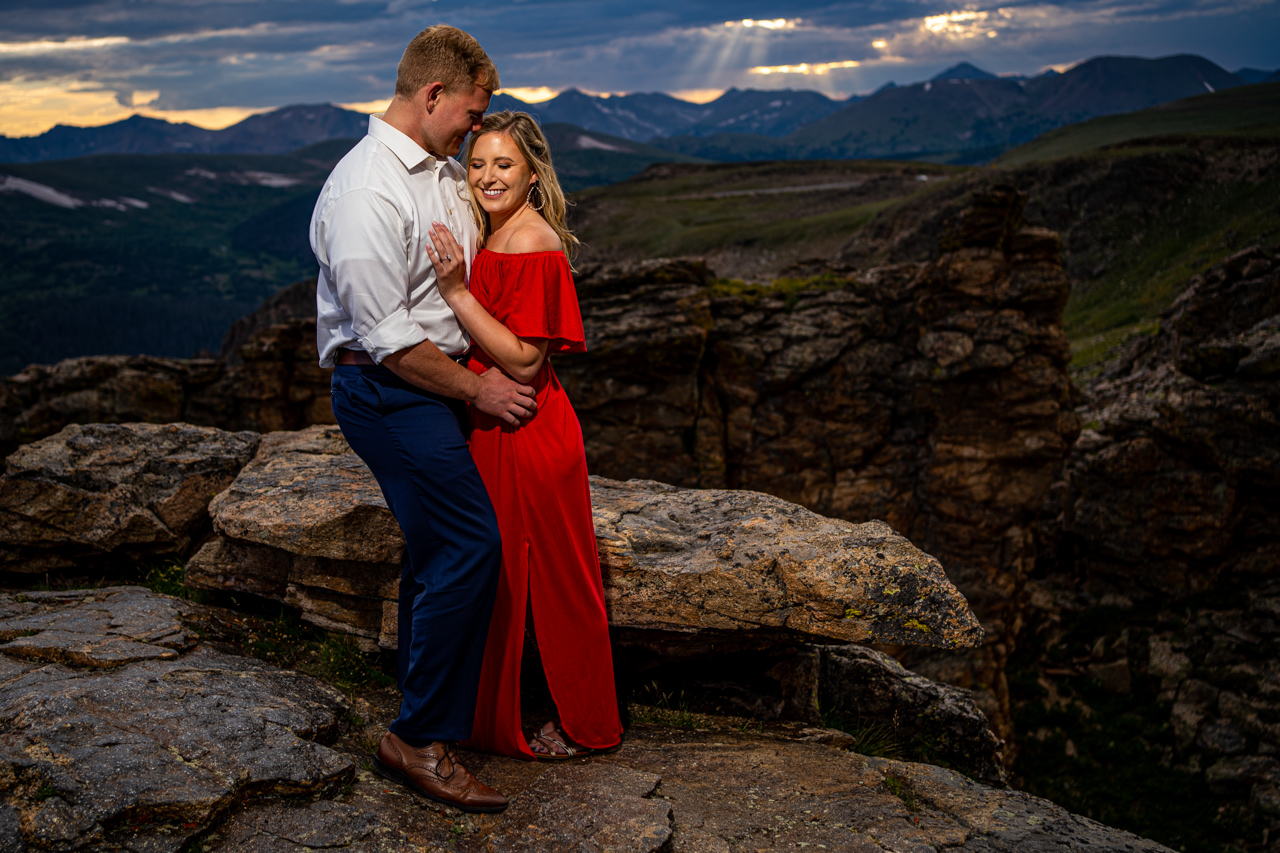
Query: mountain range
point(967, 118)
point(963, 114)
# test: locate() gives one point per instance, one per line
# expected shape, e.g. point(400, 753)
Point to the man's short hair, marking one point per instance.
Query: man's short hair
point(448, 55)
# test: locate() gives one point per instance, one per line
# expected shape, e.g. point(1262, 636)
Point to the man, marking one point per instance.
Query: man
point(398, 388)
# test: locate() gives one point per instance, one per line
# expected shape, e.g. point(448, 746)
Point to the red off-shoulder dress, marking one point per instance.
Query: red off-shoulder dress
point(536, 475)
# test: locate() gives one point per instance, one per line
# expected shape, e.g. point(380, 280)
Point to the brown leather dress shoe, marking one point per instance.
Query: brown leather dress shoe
point(434, 772)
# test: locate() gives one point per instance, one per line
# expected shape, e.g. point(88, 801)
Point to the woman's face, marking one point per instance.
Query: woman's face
point(499, 174)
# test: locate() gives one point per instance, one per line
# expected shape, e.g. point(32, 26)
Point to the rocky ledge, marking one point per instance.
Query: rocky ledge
point(113, 492)
point(118, 731)
point(698, 582)
point(305, 522)
point(175, 743)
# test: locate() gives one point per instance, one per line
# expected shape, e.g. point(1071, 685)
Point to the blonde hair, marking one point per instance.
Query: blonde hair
point(448, 55)
point(528, 137)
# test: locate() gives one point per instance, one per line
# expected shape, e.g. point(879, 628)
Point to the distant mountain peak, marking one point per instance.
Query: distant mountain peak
point(964, 71)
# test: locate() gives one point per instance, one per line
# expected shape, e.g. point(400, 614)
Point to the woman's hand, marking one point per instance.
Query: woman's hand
point(449, 260)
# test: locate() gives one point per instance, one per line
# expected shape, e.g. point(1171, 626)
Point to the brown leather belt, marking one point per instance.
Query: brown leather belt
point(360, 358)
point(357, 357)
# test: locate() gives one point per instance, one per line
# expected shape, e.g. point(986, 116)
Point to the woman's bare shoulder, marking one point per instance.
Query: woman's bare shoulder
point(534, 237)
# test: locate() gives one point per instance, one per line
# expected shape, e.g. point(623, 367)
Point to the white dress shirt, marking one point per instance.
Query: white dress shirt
point(369, 231)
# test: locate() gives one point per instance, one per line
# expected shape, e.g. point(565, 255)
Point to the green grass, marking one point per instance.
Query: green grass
point(345, 666)
point(900, 789)
point(334, 658)
point(1156, 255)
point(169, 579)
point(757, 210)
point(1243, 111)
point(662, 708)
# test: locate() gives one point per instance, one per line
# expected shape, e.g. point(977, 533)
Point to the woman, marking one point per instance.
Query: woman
point(521, 308)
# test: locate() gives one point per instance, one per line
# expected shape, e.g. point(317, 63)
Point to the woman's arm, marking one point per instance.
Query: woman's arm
point(521, 358)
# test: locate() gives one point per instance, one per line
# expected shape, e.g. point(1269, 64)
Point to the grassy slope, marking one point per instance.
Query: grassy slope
point(1157, 253)
point(1245, 111)
point(734, 214)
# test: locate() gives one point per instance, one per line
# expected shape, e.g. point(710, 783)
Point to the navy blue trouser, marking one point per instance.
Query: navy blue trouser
point(413, 443)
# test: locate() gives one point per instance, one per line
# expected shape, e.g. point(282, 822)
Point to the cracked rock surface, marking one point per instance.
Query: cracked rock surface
point(206, 747)
point(672, 790)
point(136, 491)
point(137, 738)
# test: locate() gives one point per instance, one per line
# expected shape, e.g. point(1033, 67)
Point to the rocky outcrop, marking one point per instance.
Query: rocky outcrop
point(702, 564)
point(110, 492)
point(121, 733)
point(210, 750)
point(870, 699)
point(933, 395)
point(266, 379)
point(43, 399)
point(1162, 544)
point(690, 575)
point(941, 721)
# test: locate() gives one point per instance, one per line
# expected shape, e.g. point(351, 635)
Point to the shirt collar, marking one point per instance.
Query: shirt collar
point(409, 152)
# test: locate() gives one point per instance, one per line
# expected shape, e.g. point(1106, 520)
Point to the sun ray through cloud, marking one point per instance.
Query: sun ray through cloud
point(235, 57)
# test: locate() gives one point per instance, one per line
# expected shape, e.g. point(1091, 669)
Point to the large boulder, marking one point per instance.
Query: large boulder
point(121, 733)
point(113, 491)
point(703, 564)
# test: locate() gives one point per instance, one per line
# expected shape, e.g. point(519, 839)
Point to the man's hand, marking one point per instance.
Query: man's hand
point(502, 398)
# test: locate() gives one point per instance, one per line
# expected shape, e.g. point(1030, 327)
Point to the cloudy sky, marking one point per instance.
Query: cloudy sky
point(212, 62)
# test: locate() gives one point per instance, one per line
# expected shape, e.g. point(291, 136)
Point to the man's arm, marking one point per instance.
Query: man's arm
point(363, 235)
point(425, 366)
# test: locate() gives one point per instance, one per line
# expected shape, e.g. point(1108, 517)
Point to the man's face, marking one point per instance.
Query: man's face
point(455, 115)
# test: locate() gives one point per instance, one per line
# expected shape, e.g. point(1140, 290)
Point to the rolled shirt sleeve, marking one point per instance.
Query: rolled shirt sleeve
point(364, 238)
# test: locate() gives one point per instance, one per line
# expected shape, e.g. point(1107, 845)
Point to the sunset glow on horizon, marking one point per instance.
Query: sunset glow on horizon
point(216, 63)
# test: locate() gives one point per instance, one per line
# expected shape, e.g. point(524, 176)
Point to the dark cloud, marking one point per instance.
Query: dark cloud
point(268, 52)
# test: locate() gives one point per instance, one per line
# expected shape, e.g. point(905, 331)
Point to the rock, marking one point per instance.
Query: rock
point(726, 786)
point(267, 378)
point(675, 561)
point(867, 688)
point(140, 751)
point(307, 493)
point(1168, 502)
point(132, 491)
point(864, 692)
point(932, 394)
point(153, 755)
point(293, 827)
point(98, 632)
point(707, 559)
point(589, 806)
point(1113, 675)
point(695, 791)
point(43, 399)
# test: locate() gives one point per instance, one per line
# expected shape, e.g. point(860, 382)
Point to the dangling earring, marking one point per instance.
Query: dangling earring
point(542, 199)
